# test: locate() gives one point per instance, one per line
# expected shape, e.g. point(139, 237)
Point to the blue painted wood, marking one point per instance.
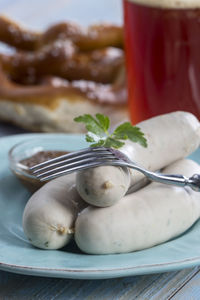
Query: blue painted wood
point(190, 291)
point(155, 287)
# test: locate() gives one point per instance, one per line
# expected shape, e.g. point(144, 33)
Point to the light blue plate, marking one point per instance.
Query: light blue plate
point(17, 255)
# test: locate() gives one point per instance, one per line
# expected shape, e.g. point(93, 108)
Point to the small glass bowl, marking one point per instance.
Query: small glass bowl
point(22, 151)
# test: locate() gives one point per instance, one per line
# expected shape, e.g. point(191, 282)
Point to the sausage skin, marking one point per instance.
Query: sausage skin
point(50, 213)
point(142, 219)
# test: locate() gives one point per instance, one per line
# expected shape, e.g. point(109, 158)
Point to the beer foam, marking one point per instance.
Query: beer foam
point(169, 3)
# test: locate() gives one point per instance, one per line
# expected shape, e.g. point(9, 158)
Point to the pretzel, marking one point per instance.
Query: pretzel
point(14, 35)
point(51, 87)
point(93, 37)
point(61, 59)
point(54, 76)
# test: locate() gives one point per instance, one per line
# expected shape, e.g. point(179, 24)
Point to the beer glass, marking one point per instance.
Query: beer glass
point(162, 41)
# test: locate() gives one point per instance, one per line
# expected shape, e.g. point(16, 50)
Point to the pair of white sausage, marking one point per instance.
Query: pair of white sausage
point(170, 137)
point(140, 220)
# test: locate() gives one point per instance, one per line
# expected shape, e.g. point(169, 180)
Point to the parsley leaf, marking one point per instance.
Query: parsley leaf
point(100, 137)
point(126, 131)
point(104, 121)
point(113, 143)
point(89, 138)
point(91, 124)
point(100, 143)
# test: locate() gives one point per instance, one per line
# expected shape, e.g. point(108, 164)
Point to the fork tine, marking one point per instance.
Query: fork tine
point(81, 167)
point(68, 155)
point(70, 160)
point(67, 166)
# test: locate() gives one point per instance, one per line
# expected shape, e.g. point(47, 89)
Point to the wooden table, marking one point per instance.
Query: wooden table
point(183, 284)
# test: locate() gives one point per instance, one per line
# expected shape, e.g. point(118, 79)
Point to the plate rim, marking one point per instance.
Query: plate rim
point(101, 274)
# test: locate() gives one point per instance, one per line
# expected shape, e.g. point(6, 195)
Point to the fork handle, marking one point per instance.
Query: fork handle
point(179, 180)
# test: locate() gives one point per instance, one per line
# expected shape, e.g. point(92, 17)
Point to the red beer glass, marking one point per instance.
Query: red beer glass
point(162, 41)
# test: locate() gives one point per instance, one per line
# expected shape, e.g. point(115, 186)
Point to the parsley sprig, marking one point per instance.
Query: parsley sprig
point(99, 135)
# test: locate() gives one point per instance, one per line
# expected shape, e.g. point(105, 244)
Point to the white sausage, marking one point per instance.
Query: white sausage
point(140, 220)
point(170, 137)
point(103, 185)
point(50, 213)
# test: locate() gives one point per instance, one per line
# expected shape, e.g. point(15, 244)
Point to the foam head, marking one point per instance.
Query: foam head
point(177, 4)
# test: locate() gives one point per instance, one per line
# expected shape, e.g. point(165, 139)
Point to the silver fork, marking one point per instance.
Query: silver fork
point(99, 156)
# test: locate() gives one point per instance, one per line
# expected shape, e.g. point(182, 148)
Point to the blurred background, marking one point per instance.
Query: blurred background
point(39, 14)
